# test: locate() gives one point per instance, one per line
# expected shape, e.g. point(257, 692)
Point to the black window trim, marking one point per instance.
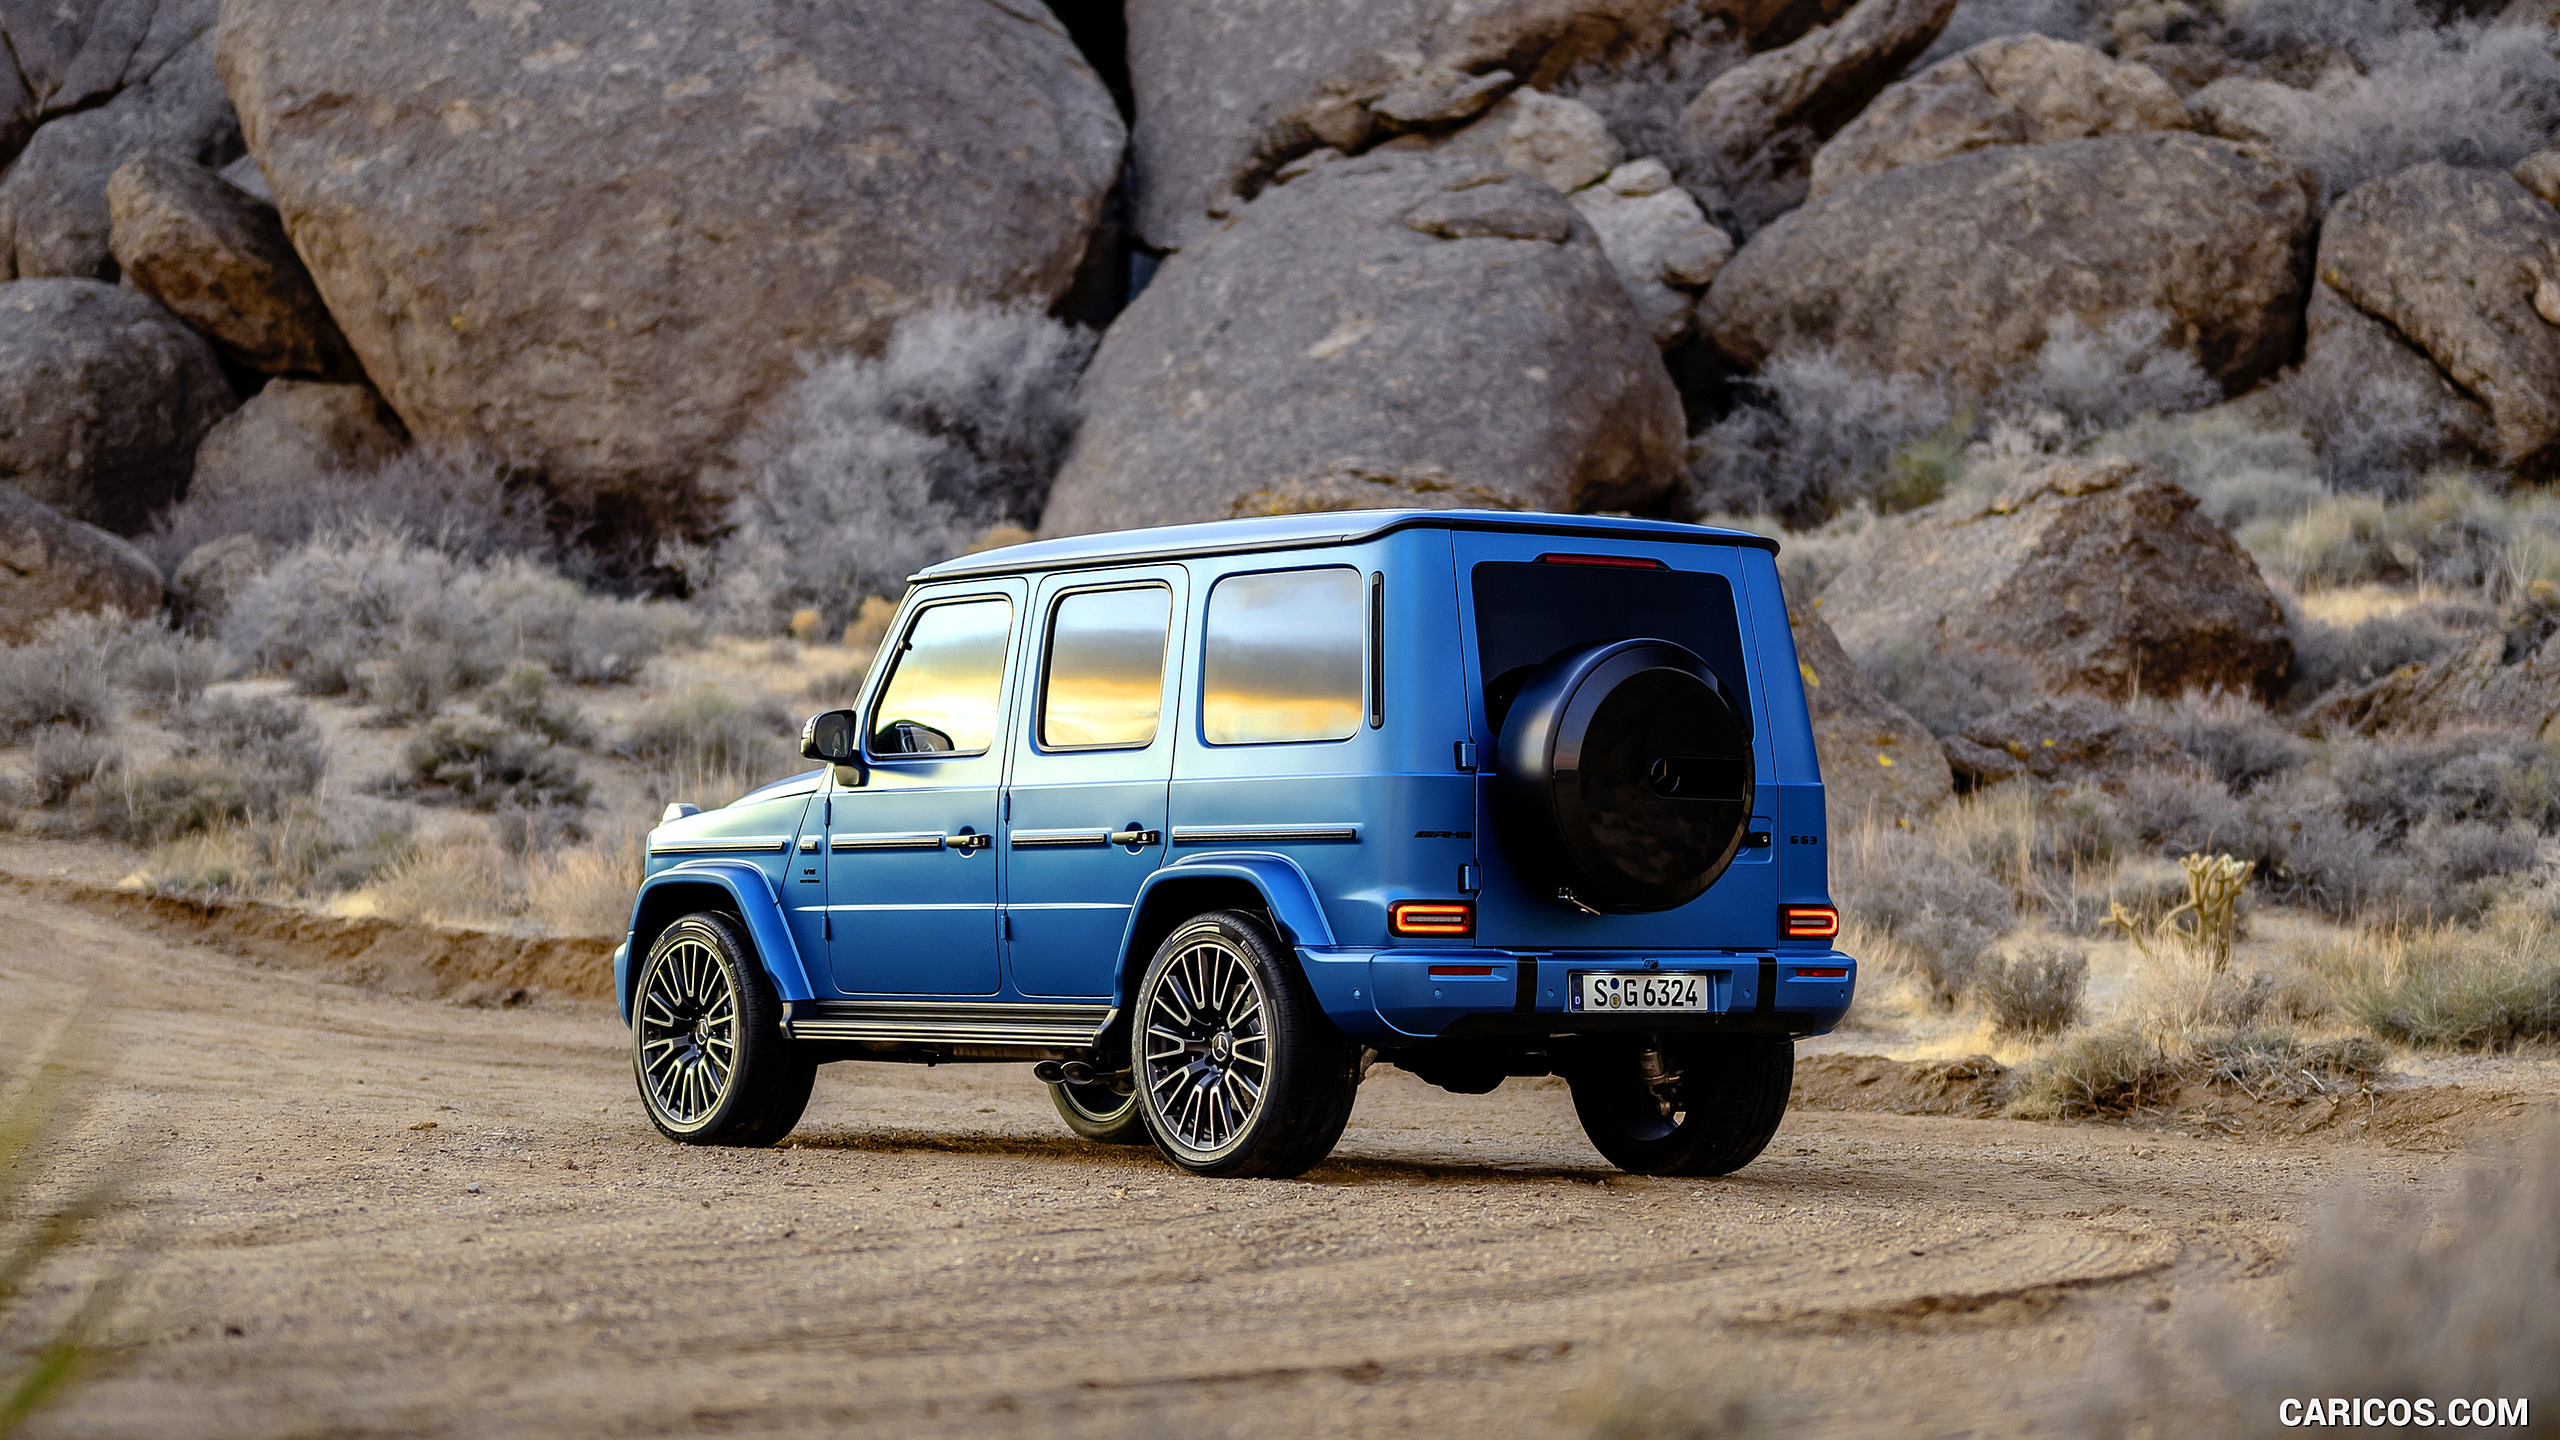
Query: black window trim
point(889, 676)
point(1209, 597)
point(1048, 644)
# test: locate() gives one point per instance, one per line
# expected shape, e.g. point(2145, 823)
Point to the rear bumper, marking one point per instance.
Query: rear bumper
point(1391, 997)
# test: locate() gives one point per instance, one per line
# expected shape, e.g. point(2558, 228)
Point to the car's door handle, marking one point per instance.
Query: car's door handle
point(969, 841)
point(1134, 836)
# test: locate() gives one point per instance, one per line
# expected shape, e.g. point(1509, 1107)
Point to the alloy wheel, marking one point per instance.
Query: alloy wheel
point(688, 1016)
point(1206, 1049)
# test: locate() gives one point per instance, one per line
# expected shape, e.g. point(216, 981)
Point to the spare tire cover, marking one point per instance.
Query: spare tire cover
point(1623, 776)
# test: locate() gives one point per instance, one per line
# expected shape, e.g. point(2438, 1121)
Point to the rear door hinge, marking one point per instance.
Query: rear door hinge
point(1467, 755)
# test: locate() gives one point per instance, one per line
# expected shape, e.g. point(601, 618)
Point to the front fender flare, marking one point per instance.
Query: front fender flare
point(751, 895)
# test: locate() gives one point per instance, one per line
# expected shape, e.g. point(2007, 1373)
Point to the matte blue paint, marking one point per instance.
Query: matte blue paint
point(933, 923)
point(750, 890)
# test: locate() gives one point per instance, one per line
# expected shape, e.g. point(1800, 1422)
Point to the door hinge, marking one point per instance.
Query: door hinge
point(1467, 755)
point(1469, 880)
point(827, 926)
point(1004, 926)
point(1008, 805)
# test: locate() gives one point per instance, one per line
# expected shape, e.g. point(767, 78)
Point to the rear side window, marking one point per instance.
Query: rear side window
point(1282, 659)
point(1104, 682)
point(947, 682)
point(1529, 613)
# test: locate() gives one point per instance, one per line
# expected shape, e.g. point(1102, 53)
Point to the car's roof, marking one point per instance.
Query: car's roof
point(1294, 532)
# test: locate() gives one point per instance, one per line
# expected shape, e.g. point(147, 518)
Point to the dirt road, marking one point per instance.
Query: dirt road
point(366, 1215)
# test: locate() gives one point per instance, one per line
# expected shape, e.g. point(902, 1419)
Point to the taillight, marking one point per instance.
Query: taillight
point(1460, 972)
point(1619, 562)
point(1809, 922)
point(1444, 919)
point(1821, 972)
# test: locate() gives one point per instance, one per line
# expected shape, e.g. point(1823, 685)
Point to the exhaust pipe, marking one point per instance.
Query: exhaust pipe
point(1077, 1072)
point(1049, 1072)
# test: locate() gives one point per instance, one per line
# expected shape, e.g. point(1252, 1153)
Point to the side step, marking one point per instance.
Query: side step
point(921, 1022)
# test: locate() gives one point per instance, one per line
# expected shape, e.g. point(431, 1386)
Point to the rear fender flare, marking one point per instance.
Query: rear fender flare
point(738, 886)
point(1285, 890)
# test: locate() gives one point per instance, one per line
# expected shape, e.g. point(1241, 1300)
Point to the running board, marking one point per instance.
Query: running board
point(924, 1022)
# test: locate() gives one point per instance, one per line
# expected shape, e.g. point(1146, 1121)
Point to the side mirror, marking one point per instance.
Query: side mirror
point(833, 736)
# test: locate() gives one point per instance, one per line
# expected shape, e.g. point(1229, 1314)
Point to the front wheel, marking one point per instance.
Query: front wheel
point(1690, 1106)
point(707, 1047)
point(1239, 1072)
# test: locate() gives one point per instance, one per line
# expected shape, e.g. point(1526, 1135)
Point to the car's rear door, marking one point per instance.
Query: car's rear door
point(1093, 755)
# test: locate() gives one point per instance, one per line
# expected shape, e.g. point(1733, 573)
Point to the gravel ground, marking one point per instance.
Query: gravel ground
point(358, 1214)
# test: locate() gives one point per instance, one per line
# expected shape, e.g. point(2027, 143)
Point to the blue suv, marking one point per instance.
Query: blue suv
point(1201, 821)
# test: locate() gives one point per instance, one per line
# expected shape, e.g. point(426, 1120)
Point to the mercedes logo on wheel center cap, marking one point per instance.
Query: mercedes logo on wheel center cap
point(1221, 1046)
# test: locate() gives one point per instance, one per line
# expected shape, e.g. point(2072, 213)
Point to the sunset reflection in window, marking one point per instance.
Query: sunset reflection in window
point(1283, 658)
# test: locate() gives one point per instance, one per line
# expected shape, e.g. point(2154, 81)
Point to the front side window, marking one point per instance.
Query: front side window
point(1282, 658)
point(1104, 685)
point(947, 682)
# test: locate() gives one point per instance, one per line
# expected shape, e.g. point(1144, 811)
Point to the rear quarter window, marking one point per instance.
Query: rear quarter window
point(1528, 613)
point(1284, 657)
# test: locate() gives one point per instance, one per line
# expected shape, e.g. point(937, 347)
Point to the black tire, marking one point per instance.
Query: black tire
point(1623, 776)
point(1725, 1103)
point(1220, 1002)
point(700, 994)
point(1101, 1114)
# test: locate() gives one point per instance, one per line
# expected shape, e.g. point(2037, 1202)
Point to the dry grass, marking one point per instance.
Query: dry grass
point(2447, 986)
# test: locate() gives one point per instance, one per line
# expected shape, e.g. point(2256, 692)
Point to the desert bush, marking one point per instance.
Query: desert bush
point(2455, 533)
point(1820, 436)
point(2109, 377)
point(479, 764)
point(2239, 471)
point(2274, 1064)
point(271, 745)
point(49, 684)
point(1947, 690)
point(709, 740)
point(2231, 735)
point(1942, 910)
point(2467, 93)
point(2386, 1301)
point(374, 613)
point(2449, 987)
point(308, 849)
point(2326, 656)
point(586, 889)
point(1640, 96)
point(874, 468)
point(522, 700)
point(474, 507)
point(2109, 1070)
point(2036, 993)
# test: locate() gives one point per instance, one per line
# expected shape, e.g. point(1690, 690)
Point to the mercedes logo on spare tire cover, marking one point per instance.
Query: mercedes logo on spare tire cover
point(1623, 774)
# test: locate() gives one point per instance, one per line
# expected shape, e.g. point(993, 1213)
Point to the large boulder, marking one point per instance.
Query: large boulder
point(2466, 265)
point(1562, 143)
point(2244, 107)
point(50, 564)
point(2016, 90)
point(1228, 94)
point(217, 256)
point(1396, 329)
point(1877, 761)
point(53, 201)
point(2508, 680)
point(2364, 388)
point(103, 399)
point(600, 238)
point(290, 439)
point(69, 56)
point(1756, 127)
point(2071, 742)
point(1659, 242)
point(2098, 575)
point(1961, 268)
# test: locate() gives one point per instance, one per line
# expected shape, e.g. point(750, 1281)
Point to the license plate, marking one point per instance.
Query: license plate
point(1626, 992)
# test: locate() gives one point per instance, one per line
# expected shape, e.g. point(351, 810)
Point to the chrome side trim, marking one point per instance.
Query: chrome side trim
point(1051, 839)
point(888, 840)
point(760, 844)
point(947, 1022)
point(1263, 834)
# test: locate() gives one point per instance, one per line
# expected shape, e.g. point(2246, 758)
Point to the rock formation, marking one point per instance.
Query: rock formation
point(1395, 329)
point(103, 399)
point(50, 564)
point(218, 258)
point(1877, 762)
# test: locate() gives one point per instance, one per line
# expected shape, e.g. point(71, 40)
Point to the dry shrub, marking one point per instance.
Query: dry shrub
point(462, 880)
point(1821, 436)
point(2111, 1070)
point(2389, 1302)
point(2036, 993)
point(408, 627)
point(467, 505)
point(1942, 910)
point(586, 889)
point(238, 761)
point(710, 743)
point(481, 764)
point(2327, 657)
point(2456, 533)
point(1948, 689)
point(1640, 96)
point(310, 849)
point(2450, 987)
point(2232, 735)
point(875, 468)
point(2269, 1064)
point(522, 700)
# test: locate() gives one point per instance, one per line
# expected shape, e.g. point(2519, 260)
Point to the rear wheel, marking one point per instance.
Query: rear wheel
point(1101, 1114)
point(1686, 1106)
point(1239, 1072)
point(707, 1047)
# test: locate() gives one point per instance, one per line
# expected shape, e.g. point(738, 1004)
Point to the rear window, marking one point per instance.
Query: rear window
point(1526, 614)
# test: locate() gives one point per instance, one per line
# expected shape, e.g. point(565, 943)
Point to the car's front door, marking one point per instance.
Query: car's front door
point(911, 860)
point(1086, 795)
